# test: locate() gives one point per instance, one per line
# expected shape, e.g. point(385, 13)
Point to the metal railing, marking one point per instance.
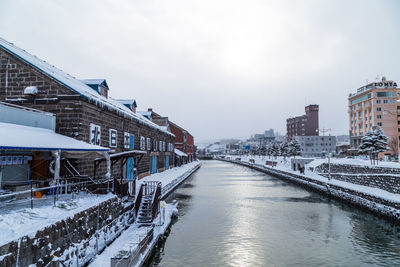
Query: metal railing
point(62, 187)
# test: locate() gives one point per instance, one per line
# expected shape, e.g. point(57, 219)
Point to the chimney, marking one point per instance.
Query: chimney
point(150, 109)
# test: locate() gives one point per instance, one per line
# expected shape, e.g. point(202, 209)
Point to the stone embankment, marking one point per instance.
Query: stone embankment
point(379, 205)
point(74, 240)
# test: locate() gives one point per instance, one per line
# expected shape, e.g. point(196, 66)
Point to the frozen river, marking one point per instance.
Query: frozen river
point(230, 215)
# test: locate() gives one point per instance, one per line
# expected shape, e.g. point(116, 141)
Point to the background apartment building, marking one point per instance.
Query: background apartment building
point(305, 125)
point(374, 104)
point(316, 146)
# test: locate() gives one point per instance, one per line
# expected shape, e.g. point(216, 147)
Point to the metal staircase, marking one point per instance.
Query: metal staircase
point(147, 204)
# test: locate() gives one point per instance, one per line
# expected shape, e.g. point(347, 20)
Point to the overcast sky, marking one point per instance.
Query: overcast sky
point(218, 68)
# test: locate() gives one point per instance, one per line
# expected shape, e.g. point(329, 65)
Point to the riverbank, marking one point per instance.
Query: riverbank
point(375, 200)
point(75, 230)
point(136, 245)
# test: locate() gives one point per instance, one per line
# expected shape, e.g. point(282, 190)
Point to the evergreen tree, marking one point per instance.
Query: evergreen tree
point(372, 143)
point(284, 149)
point(294, 148)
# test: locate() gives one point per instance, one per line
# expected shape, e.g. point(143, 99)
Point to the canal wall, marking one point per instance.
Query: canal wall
point(378, 205)
point(74, 240)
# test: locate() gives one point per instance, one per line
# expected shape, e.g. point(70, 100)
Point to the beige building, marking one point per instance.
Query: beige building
point(374, 104)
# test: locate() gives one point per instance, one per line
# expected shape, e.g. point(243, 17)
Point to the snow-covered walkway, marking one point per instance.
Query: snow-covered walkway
point(284, 165)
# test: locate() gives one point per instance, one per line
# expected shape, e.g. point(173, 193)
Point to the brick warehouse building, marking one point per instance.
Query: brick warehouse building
point(184, 141)
point(85, 112)
point(305, 125)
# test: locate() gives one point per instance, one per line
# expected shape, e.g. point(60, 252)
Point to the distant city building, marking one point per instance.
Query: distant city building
point(269, 133)
point(305, 125)
point(314, 146)
point(265, 138)
point(374, 104)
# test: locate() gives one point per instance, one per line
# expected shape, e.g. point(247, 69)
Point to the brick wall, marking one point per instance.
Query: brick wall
point(74, 113)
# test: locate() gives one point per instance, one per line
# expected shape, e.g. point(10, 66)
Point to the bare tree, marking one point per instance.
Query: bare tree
point(394, 145)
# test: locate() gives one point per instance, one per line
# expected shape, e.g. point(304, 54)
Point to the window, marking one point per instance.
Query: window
point(392, 101)
point(379, 123)
point(360, 99)
point(385, 101)
point(113, 137)
point(160, 144)
point(384, 94)
point(379, 116)
point(378, 109)
point(378, 101)
point(154, 145)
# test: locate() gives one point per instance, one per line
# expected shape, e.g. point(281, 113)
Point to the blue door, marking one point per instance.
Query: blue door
point(153, 164)
point(130, 161)
point(166, 162)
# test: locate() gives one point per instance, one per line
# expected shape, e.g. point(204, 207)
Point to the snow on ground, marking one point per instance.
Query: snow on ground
point(131, 237)
point(168, 176)
point(17, 221)
point(356, 162)
point(284, 165)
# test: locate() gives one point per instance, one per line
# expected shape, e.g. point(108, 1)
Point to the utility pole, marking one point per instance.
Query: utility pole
point(323, 131)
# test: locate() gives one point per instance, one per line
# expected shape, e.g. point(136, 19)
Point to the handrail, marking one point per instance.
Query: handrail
point(105, 180)
point(139, 199)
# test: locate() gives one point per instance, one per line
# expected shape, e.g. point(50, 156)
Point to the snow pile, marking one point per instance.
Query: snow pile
point(354, 162)
point(168, 176)
point(25, 221)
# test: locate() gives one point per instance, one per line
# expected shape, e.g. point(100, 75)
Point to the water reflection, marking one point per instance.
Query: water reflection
point(233, 216)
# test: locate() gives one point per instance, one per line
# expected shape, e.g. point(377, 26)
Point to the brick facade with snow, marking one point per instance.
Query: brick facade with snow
point(75, 111)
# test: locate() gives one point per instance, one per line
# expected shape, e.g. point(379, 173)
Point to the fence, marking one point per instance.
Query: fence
point(72, 185)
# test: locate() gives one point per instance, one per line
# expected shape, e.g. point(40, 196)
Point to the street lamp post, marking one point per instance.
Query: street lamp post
point(329, 155)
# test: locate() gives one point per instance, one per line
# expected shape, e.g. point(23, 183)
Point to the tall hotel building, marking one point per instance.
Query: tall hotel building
point(374, 105)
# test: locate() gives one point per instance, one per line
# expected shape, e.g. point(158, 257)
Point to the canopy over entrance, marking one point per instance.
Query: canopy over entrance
point(180, 153)
point(20, 137)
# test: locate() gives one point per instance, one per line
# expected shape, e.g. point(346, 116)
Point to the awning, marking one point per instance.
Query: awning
point(20, 137)
point(180, 153)
point(125, 154)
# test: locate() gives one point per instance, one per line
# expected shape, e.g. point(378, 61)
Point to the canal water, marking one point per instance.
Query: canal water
point(230, 215)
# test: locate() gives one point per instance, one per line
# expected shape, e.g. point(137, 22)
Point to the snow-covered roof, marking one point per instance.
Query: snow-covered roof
point(127, 102)
point(180, 153)
point(145, 114)
point(75, 85)
point(20, 137)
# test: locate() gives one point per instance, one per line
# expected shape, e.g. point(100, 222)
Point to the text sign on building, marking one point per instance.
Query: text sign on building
point(113, 137)
point(95, 134)
point(127, 140)
point(142, 143)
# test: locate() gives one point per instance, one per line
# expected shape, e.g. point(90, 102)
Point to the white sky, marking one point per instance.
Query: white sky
point(218, 68)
